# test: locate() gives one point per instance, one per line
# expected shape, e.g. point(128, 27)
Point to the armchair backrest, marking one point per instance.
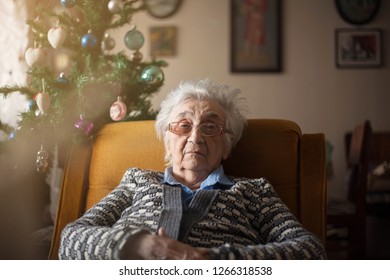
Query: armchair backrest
point(270, 148)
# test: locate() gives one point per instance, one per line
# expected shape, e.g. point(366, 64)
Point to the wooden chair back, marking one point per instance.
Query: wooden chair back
point(351, 214)
point(358, 160)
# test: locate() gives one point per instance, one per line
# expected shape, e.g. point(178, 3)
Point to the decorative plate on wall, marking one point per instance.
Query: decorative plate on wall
point(357, 11)
point(162, 8)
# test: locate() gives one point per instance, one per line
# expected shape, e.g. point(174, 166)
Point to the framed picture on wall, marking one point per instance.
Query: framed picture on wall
point(163, 41)
point(255, 36)
point(358, 48)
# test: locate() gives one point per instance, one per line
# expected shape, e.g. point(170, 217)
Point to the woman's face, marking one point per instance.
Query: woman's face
point(195, 151)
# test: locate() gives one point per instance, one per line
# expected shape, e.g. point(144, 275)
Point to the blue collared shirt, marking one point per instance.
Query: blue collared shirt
point(217, 180)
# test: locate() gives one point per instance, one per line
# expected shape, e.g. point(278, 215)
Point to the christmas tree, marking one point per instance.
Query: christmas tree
point(96, 87)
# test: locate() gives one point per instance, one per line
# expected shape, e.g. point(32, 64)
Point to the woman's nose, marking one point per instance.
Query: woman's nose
point(196, 135)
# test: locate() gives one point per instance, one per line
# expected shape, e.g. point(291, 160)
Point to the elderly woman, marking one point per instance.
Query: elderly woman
point(192, 210)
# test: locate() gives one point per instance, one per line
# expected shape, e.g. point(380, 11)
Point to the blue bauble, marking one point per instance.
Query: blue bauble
point(88, 41)
point(134, 39)
point(68, 3)
point(30, 104)
point(152, 75)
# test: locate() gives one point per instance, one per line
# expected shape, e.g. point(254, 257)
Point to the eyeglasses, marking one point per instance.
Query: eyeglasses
point(206, 129)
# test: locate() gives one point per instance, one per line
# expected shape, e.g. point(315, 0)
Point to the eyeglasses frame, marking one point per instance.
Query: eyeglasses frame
point(221, 127)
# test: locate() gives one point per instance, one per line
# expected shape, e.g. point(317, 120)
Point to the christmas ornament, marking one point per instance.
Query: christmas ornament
point(33, 56)
point(108, 42)
point(30, 104)
point(115, 6)
point(89, 40)
point(42, 161)
point(118, 110)
point(56, 36)
point(134, 39)
point(136, 56)
point(84, 126)
point(152, 75)
point(68, 3)
point(61, 60)
point(62, 80)
point(43, 102)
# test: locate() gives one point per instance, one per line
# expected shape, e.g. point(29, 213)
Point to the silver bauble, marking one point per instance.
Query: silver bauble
point(115, 6)
point(108, 43)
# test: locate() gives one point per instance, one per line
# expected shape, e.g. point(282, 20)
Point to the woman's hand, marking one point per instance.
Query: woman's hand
point(161, 247)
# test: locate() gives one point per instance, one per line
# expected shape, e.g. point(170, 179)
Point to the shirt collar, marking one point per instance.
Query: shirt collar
point(216, 177)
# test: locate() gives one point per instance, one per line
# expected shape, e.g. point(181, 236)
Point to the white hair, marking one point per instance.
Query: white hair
point(204, 89)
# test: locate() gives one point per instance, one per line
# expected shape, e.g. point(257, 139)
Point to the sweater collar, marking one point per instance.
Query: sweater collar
point(215, 179)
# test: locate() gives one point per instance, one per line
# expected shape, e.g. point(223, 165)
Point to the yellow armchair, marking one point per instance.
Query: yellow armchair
point(275, 149)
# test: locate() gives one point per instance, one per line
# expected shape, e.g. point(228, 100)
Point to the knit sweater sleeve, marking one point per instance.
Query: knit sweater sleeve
point(97, 235)
point(283, 237)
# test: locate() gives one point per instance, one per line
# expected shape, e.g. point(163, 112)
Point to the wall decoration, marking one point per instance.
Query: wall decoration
point(163, 41)
point(162, 9)
point(255, 36)
point(358, 48)
point(357, 11)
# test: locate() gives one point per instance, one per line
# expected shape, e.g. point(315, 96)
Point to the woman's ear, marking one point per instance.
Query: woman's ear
point(168, 155)
point(225, 155)
point(166, 143)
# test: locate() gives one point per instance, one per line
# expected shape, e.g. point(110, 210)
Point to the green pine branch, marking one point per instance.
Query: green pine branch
point(6, 90)
point(127, 12)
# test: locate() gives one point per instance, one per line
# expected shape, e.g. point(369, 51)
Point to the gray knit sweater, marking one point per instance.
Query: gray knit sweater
point(247, 221)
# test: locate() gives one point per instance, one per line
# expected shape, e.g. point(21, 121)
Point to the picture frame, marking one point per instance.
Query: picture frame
point(255, 36)
point(358, 48)
point(163, 41)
